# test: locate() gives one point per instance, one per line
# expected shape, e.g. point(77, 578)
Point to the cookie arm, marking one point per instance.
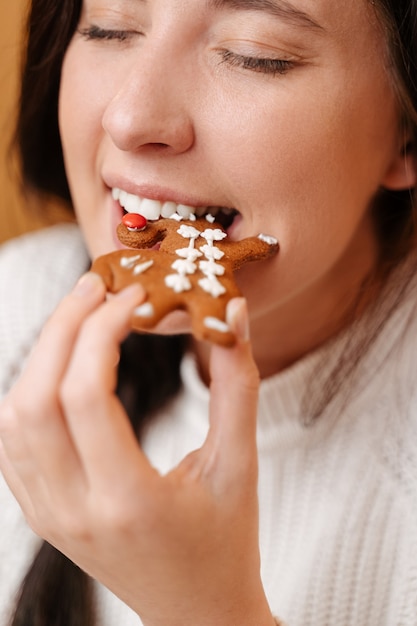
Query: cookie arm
point(250, 249)
point(102, 266)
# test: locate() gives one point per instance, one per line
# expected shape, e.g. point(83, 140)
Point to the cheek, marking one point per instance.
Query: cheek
point(307, 171)
point(81, 104)
point(84, 94)
point(315, 152)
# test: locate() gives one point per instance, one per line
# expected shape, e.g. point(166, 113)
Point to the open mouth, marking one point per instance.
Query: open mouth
point(154, 209)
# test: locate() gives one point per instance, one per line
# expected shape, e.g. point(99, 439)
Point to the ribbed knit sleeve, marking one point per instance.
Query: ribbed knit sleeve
point(36, 270)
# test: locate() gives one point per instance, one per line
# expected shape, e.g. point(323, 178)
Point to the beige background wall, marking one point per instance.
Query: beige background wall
point(15, 216)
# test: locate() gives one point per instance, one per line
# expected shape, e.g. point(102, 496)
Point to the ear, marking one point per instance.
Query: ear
point(402, 172)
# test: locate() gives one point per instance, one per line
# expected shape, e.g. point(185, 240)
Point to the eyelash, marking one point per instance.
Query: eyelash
point(103, 34)
point(255, 64)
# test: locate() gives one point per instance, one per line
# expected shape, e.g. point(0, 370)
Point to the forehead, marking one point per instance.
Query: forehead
point(307, 12)
point(342, 19)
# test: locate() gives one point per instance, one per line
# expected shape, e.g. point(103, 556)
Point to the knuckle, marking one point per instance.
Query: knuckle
point(8, 418)
point(80, 391)
point(119, 517)
point(69, 524)
point(75, 527)
point(36, 409)
point(129, 510)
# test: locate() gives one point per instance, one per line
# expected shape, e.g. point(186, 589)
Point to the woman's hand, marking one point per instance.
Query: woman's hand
point(180, 549)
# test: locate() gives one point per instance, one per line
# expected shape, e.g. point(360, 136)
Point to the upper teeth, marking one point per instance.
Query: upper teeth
point(153, 209)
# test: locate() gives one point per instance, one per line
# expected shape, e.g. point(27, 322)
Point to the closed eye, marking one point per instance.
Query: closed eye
point(264, 65)
point(104, 34)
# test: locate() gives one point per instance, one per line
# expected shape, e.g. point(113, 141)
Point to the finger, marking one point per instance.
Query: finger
point(12, 471)
point(58, 335)
point(99, 425)
point(39, 449)
point(231, 443)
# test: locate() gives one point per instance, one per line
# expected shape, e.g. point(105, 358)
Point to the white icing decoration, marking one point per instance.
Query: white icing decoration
point(191, 254)
point(192, 217)
point(213, 234)
point(140, 268)
point(212, 286)
point(178, 282)
point(268, 239)
point(144, 310)
point(175, 217)
point(210, 218)
point(211, 268)
point(215, 324)
point(211, 252)
point(188, 232)
point(184, 266)
point(129, 261)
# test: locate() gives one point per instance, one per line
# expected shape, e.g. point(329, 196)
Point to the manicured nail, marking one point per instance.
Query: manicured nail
point(238, 319)
point(88, 284)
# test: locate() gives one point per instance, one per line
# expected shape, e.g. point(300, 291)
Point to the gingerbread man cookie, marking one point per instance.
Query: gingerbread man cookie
point(186, 264)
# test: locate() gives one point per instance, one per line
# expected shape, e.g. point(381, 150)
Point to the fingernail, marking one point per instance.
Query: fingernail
point(88, 284)
point(238, 319)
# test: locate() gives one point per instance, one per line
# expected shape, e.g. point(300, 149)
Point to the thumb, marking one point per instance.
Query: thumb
point(231, 443)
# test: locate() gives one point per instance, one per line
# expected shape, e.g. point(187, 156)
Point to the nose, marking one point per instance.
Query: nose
point(150, 107)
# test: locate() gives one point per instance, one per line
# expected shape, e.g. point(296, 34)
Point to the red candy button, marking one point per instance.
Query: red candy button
point(134, 221)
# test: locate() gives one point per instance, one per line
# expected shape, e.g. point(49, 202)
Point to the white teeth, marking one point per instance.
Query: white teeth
point(185, 211)
point(153, 209)
point(123, 195)
point(168, 209)
point(132, 204)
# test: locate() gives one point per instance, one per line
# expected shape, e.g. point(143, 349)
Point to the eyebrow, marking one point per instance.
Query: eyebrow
point(277, 8)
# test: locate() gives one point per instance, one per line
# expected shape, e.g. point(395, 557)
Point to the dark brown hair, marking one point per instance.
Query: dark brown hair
point(55, 592)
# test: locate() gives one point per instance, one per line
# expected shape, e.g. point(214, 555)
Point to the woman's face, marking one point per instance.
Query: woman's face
point(280, 110)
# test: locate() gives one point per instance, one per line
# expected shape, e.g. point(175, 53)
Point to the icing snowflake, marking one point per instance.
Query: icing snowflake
point(211, 252)
point(191, 254)
point(213, 234)
point(178, 282)
point(184, 266)
point(188, 232)
point(212, 286)
point(210, 268)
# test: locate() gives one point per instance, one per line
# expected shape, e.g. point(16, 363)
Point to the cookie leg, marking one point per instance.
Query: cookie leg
point(148, 314)
point(211, 325)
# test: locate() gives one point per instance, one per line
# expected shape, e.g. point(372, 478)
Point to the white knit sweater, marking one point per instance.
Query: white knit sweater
point(338, 499)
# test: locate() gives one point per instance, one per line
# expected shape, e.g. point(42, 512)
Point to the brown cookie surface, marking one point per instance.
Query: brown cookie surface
point(182, 265)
